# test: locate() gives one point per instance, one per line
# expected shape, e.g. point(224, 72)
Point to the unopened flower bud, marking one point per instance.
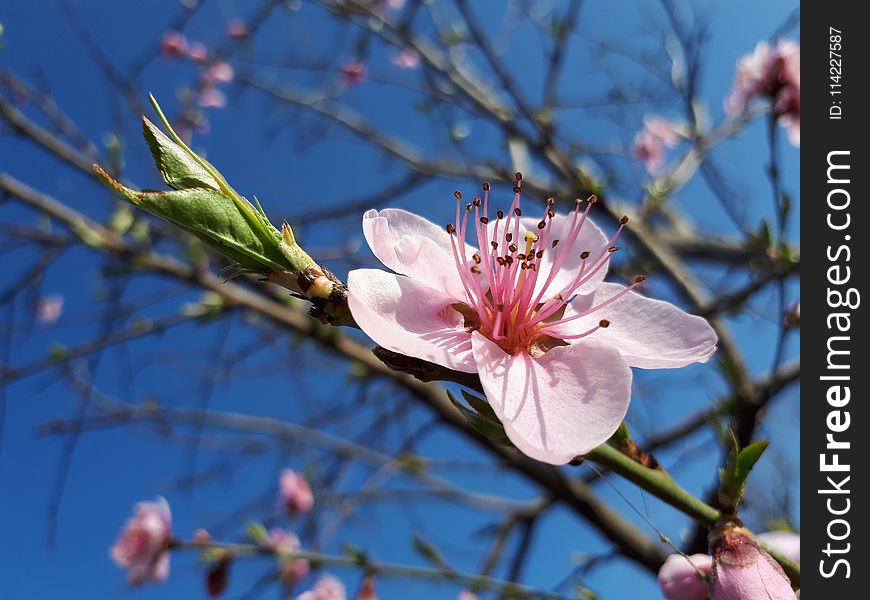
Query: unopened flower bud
point(367, 589)
point(743, 571)
point(296, 494)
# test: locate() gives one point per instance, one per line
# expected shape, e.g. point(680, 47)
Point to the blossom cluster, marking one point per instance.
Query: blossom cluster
point(145, 542)
point(770, 73)
point(214, 72)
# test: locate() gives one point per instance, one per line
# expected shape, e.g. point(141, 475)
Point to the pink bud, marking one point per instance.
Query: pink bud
point(367, 589)
point(407, 59)
point(296, 494)
point(211, 97)
point(650, 150)
point(143, 545)
point(173, 44)
point(49, 309)
point(650, 142)
point(219, 72)
point(663, 129)
point(292, 570)
point(743, 571)
point(197, 52)
point(237, 29)
point(353, 72)
point(681, 577)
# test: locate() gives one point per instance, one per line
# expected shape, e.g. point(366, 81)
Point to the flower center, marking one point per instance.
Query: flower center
point(513, 296)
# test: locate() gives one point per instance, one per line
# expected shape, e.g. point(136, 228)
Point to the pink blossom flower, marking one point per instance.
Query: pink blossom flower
point(173, 44)
point(296, 494)
point(237, 29)
point(773, 73)
point(663, 129)
point(197, 52)
point(528, 311)
point(743, 571)
point(680, 577)
point(49, 309)
point(407, 59)
point(650, 142)
point(143, 546)
point(466, 595)
point(211, 97)
point(354, 73)
point(650, 150)
point(219, 72)
point(786, 542)
point(326, 588)
point(293, 570)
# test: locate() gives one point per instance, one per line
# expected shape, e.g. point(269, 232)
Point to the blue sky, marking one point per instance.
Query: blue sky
point(263, 151)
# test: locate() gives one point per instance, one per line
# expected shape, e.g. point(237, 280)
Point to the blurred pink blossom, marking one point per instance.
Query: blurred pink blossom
point(173, 44)
point(527, 309)
point(650, 150)
point(143, 545)
point(197, 52)
point(466, 595)
point(49, 309)
point(219, 72)
point(407, 59)
point(663, 129)
point(296, 494)
point(353, 72)
point(211, 97)
point(773, 73)
point(651, 141)
point(743, 571)
point(237, 29)
point(680, 579)
point(326, 588)
point(293, 570)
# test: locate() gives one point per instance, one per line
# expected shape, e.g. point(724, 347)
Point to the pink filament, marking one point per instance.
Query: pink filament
point(510, 310)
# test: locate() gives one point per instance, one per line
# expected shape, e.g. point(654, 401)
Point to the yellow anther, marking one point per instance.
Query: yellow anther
point(530, 238)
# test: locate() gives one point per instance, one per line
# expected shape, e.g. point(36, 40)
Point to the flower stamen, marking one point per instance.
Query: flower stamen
point(501, 279)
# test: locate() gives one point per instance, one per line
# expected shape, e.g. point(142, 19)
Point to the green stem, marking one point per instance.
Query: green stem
point(656, 482)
